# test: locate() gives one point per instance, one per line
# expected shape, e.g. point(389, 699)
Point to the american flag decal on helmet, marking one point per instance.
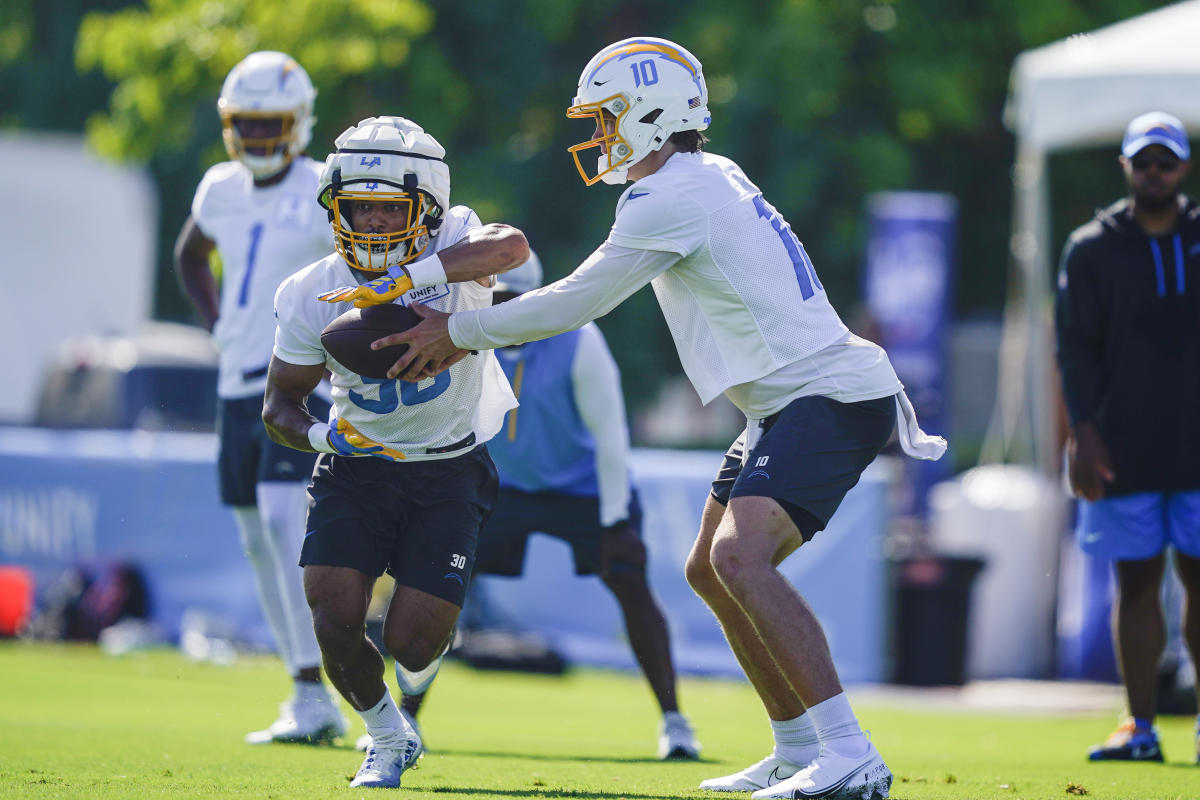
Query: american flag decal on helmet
point(694, 102)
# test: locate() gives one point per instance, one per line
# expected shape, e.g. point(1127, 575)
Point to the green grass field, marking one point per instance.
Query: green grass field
point(77, 724)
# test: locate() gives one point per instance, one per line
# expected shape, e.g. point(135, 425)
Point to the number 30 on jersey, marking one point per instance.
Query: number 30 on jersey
point(391, 398)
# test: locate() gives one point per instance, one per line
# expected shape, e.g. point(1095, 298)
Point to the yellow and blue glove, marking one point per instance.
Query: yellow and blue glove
point(372, 293)
point(347, 441)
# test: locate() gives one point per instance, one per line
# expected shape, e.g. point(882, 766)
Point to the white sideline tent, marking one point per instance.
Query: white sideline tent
point(1081, 91)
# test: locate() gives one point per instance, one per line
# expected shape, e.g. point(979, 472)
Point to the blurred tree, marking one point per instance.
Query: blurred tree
point(38, 86)
point(169, 58)
point(821, 101)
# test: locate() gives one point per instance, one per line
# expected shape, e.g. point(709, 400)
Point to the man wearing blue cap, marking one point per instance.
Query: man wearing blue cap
point(1128, 324)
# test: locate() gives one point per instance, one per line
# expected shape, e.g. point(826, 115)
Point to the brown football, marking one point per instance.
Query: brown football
point(348, 338)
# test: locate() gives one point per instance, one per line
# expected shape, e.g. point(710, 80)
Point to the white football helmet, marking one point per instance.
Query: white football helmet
point(267, 86)
point(385, 159)
point(632, 80)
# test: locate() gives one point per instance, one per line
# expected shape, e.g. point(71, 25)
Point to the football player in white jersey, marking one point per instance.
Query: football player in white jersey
point(404, 482)
point(750, 319)
point(258, 211)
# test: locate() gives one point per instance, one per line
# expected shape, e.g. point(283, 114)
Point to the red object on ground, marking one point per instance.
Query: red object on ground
point(16, 599)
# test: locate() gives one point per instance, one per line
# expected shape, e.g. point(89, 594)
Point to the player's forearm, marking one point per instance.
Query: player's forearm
point(198, 283)
point(481, 253)
point(288, 424)
point(600, 284)
point(192, 249)
point(596, 386)
point(285, 410)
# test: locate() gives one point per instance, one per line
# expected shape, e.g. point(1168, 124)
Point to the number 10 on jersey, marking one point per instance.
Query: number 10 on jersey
point(806, 274)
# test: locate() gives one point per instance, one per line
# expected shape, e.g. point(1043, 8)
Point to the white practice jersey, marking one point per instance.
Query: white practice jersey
point(748, 314)
point(470, 397)
point(263, 235)
point(744, 299)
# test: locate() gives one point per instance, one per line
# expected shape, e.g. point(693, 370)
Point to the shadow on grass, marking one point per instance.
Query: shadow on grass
point(510, 754)
point(540, 791)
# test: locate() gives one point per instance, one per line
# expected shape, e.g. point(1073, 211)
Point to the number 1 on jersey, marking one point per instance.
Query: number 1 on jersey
point(244, 291)
point(806, 274)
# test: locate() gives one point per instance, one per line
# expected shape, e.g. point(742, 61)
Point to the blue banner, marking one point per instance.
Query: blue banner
point(909, 291)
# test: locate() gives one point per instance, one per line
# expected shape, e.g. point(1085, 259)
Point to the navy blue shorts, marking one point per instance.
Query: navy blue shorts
point(575, 520)
point(248, 457)
point(810, 454)
point(419, 521)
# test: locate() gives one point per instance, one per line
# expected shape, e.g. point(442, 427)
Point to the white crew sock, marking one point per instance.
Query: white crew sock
point(383, 719)
point(837, 727)
point(795, 739)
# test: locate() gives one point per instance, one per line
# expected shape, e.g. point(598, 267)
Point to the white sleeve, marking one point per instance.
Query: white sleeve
point(206, 201)
point(597, 386)
point(655, 217)
point(608, 276)
point(199, 207)
point(296, 340)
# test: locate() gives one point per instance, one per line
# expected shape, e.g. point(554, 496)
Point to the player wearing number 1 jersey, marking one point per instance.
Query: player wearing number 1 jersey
point(257, 210)
point(404, 482)
point(750, 320)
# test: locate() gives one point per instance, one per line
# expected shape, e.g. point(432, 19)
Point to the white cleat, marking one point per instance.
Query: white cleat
point(676, 739)
point(364, 742)
point(386, 762)
point(307, 722)
point(768, 772)
point(836, 777)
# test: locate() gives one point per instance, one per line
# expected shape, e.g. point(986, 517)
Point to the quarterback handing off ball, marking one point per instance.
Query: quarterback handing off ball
point(348, 338)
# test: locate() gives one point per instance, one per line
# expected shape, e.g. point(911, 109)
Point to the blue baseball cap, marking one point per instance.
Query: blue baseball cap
point(1156, 127)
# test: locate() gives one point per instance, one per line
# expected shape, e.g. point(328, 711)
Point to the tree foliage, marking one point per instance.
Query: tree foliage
point(169, 58)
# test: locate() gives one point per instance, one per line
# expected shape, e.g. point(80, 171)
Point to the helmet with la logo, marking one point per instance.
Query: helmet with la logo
point(391, 160)
point(266, 109)
point(652, 88)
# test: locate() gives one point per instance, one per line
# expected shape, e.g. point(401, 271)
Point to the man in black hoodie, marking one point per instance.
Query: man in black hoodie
point(1128, 325)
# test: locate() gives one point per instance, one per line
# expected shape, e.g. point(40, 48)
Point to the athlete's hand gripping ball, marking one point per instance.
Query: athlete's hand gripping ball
point(346, 439)
point(372, 293)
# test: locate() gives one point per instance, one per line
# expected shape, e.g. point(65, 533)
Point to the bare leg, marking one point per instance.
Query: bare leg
point(1188, 569)
point(338, 597)
point(754, 536)
point(411, 703)
point(1139, 631)
point(776, 693)
point(418, 626)
point(647, 630)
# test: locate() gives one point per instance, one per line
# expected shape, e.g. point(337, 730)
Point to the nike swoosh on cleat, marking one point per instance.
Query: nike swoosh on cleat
point(636, 195)
point(775, 777)
point(800, 794)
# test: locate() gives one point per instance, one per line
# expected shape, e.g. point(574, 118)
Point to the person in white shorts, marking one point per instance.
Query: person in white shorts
point(258, 211)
